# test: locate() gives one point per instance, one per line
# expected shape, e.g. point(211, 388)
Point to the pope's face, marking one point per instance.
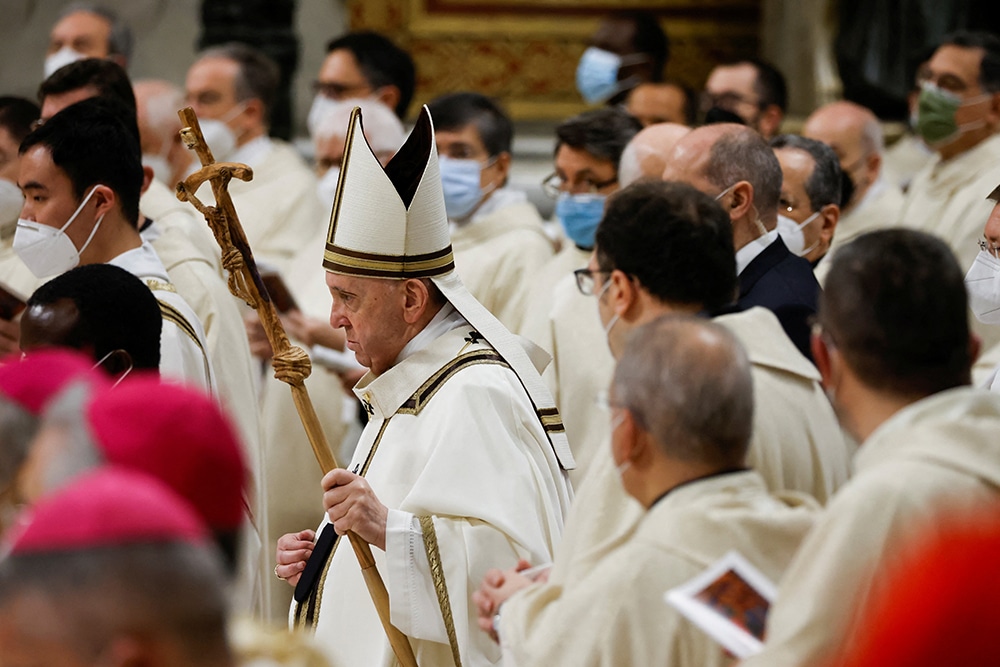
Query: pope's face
point(370, 310)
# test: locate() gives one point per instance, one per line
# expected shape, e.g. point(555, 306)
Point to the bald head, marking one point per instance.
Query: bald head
point(729, 157)
point(855, 135)
point(687, 381)
point(645, 157)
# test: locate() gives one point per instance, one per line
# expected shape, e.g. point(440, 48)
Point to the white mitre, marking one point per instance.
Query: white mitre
point(391, 223)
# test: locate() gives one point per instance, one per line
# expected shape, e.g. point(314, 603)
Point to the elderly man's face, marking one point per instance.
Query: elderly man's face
point(796, 168)
point(370, 310)
point(82, 31)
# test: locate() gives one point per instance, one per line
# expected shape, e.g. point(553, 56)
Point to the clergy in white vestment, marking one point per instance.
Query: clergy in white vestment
point(958, 116)
point(676, 256)
point(899, 381)
point(855, 135)
point(588, 149)
point(82, 168)
point(232, 88)
point(682, 403)
point(289, 459)
point(461, 465)
point(496, 234)
point(982, 281)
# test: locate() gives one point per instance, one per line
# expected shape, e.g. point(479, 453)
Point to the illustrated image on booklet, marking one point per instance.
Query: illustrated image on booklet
point(11, 303)
point(729, 601)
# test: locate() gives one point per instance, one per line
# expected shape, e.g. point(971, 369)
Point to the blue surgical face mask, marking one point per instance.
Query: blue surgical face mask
point(580, 215)
point(597, 74)
point(460, 182)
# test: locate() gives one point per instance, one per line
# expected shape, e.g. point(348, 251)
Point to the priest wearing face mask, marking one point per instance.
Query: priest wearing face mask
point(982, 281)
point(958, 116)
point(855, 135)
point(496, 234)
point(628, 48)
point(559, 319)
point(81, 176)
point(811, 188)
point(232, 89)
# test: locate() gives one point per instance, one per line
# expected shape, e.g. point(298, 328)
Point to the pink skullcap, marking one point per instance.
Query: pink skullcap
point(111, 506)
point(180, 436)
point(42, 374)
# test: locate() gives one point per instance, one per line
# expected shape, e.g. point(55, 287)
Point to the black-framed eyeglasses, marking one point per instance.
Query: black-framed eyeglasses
point(729, 101)
point(337, 91)
point(553, 185)
point(586, 280)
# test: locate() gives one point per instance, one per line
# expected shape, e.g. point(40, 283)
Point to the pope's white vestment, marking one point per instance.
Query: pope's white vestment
point(616, 615)
point(916, 475)
point(183, 347)
point(457, 452)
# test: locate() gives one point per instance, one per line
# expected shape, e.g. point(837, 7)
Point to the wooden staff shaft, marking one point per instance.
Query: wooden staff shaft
point(230, 235)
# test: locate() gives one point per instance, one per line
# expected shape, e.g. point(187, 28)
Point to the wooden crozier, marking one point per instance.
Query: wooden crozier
point(291, 363)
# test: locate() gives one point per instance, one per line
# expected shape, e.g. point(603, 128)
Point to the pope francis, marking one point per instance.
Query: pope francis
point(462, 464)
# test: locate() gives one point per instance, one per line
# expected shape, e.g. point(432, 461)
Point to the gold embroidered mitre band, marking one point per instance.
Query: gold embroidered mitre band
point(389, 222)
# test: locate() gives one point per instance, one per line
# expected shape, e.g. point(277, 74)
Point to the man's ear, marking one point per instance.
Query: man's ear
point(741, 200)
point(147, 178)
point(416, 300)
point(502, 167)
point(105, 198)
point(770, 120)
point(389, 96)
point(831, 216)
point(622, 293)
point(824, 357)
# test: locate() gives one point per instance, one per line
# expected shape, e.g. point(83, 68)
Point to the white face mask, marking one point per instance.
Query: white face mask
point(791, 233)
point(982, 282)
point(219, 136)
point(326, 187)
point(48, 251)
point(11, 202)
point(321, 107)
point(61, 58)
point(159, 165)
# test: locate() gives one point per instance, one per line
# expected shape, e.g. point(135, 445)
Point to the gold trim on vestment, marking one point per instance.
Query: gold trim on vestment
point(428, 389)
point(440, 585)
point(159, 286)
point(171, 314)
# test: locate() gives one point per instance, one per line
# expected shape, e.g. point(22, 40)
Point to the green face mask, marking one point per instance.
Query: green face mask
point(936, 114)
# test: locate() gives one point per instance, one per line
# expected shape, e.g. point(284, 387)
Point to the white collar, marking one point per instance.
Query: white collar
point(253, 152)
point(142, 262)
point(749, 252)
point(446, 319)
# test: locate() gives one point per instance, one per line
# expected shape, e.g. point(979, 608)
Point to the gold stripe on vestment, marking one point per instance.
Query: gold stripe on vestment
point(440, 585)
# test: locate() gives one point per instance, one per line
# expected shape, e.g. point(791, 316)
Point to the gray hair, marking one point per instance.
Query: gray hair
point(120, 37)
point(742, 155)
point(259, 76)
point(67, 412)
point(160, 109)
point(383, 129)
point(824, 185)
point(94, 595)
point(17, 428)
point(687, 382)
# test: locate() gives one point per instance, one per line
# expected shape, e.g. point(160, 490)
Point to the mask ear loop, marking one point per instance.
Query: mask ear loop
point(108, 356)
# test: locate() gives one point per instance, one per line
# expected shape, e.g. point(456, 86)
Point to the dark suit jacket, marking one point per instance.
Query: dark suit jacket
point(784, 284)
